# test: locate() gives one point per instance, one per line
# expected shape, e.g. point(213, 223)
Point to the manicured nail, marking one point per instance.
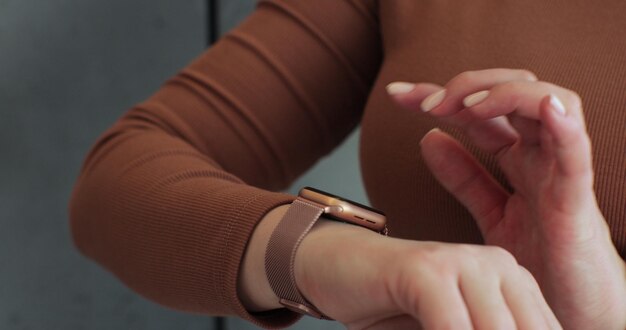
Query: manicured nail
point(400, 87)
point(556, 104)
point(436, 129)
point(433, 100)
point(475, 98)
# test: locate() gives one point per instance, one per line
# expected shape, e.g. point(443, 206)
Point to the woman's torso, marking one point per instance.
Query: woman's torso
point(577, 44)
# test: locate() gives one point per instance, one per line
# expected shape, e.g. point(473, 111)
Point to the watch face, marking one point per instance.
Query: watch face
point(346, 210)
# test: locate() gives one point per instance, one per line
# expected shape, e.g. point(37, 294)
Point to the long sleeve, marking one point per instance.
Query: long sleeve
point(170, 194)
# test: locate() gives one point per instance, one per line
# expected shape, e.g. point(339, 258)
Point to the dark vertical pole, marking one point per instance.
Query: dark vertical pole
point(219, 323)
point(212, 21)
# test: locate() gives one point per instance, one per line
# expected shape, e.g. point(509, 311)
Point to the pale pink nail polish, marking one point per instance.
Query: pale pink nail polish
point(557, 105)
point(400, 87)
point(433, 100)
point(475, 98)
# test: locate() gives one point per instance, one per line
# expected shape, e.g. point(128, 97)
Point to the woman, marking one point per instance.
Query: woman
point(173, 197)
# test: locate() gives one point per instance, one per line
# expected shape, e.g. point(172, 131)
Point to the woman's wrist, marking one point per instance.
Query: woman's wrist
point(317, 250)
point(254, 289)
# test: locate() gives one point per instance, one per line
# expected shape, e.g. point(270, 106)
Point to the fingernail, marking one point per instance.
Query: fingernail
point(556, 104)
point(433, 100)
point(436, 129)
point(475, 98)
point(399, 87)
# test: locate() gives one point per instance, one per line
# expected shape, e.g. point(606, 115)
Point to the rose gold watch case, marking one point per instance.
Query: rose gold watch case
point(302, 309)
point(346, 210)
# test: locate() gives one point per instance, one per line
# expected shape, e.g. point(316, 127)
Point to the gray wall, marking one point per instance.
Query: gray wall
point(68, 69)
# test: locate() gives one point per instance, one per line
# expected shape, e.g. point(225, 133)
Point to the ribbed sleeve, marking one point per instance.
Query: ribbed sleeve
point(169, 196)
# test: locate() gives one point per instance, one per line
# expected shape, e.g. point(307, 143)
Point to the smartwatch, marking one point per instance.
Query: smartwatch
point(303, 213)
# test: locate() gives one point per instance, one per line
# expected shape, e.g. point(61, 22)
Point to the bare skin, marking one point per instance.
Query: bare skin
point(368, 281)
point(551, 222)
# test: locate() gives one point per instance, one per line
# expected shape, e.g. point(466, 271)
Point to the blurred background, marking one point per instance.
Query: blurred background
point(68, 70)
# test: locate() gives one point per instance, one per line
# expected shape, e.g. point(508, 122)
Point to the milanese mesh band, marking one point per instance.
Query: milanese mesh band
point(281, 253)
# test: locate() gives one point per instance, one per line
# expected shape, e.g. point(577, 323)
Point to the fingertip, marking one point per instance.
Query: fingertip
point(556, 104)
point(572, 148)
point(529, 75)
point(433, 100)
point(430, 133)
point(435, 147)
point(554, 115)
point(549, 115)
point(476, 98)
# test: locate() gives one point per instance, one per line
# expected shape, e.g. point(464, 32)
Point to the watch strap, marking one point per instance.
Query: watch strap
point(281, 253)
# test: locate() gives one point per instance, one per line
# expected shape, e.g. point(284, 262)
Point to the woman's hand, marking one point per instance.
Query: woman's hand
point(551, 222)
point(368, 281)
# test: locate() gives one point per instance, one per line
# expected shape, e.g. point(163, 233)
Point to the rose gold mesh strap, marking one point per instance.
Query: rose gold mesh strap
point(281, 253)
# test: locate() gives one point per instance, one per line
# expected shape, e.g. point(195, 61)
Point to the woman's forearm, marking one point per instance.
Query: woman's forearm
point(169, 196)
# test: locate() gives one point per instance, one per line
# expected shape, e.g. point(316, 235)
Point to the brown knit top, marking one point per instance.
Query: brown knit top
point(169, 196)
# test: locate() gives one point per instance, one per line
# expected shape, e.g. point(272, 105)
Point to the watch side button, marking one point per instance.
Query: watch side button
point(334, 209)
